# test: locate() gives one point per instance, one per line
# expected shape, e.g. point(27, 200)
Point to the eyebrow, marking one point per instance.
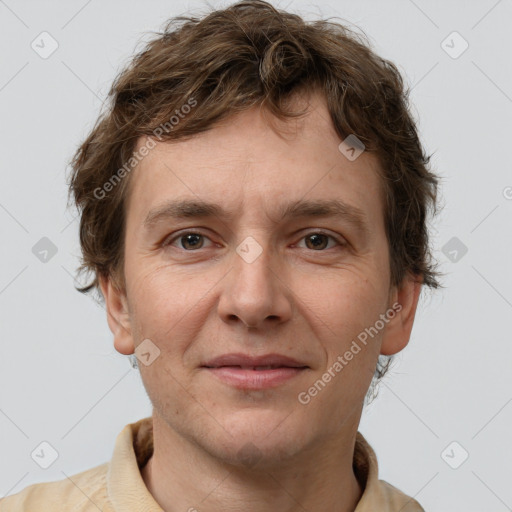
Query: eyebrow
point(179, 209)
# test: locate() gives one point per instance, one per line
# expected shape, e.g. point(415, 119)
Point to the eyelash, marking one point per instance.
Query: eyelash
point(169, 241)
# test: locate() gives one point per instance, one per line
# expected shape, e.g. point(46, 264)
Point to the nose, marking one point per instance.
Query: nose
point(254, 293)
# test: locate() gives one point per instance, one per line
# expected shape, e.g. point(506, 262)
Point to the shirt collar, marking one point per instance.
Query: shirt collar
point(134, 446)
point(125, 487)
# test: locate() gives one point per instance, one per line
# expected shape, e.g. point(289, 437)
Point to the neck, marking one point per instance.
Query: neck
point(182, 476)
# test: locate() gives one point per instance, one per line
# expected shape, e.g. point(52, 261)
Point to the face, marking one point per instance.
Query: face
point(253, 262)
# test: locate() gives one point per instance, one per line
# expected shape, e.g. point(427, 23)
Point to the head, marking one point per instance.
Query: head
point(219, 215)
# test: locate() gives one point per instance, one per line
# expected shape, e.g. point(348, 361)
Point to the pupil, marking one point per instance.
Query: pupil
point(192, 240)
point(318, 240)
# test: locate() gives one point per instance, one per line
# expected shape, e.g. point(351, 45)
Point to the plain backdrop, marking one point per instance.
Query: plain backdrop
point(448, 396)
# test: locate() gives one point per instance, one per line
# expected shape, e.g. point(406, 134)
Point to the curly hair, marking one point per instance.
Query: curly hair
point(252, 54)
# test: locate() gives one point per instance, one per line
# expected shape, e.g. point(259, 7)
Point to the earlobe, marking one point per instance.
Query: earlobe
point(118, 317)
point(404, 301)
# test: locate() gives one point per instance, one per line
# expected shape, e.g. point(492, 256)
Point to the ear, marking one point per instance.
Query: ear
point(405, 300)
point(118, 316)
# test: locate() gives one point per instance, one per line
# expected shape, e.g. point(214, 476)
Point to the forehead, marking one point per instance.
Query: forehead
point(252, 161)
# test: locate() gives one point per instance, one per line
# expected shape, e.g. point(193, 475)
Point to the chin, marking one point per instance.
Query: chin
point(253, 454)
point(257, 439)
point(254, 436)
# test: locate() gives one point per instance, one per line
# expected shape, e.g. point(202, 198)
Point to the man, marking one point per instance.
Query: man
point(253, 208)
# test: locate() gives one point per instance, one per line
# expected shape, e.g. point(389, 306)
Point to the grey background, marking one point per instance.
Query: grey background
point(61, 380)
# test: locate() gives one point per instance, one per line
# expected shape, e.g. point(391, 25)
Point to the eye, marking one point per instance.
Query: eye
point(319, 241)
point(189, 241)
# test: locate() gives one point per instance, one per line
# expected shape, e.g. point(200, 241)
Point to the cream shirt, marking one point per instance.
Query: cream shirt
point(117, 486)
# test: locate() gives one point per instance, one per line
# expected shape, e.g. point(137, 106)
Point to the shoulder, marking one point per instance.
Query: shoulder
point(397, 500)
point(82, 492)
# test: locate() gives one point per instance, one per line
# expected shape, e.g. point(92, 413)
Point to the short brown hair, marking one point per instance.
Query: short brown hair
point(252, 54)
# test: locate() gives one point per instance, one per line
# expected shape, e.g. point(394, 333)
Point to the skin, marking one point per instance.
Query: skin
point(218, 448)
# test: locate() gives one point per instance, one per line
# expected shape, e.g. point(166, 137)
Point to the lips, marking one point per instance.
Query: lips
point(246, 362)
point(245, 372)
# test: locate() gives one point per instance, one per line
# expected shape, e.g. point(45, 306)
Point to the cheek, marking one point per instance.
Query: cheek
point(165, 310)
point(339, 309)
point(343, 301)
point(168, 307)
